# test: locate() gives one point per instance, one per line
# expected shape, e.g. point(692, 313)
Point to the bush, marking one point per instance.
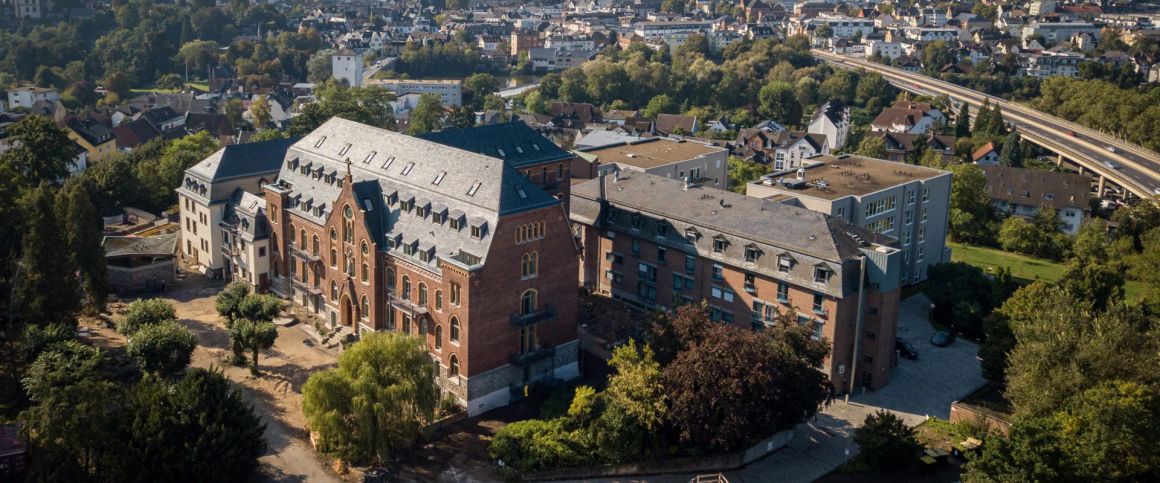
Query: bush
point(537, 445)
point(165, 348)
point(144, 313)
point(38, 338)
point(885, 442)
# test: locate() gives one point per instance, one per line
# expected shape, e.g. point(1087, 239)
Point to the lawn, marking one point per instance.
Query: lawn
point(1025, 269)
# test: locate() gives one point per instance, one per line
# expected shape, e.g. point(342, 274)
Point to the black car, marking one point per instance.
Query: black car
point(905, 349)
point(942, 338)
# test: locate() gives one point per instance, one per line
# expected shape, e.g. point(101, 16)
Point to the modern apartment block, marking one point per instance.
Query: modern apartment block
point(206, 198)
point(910, 203)
point(373, 230)
point(672, 158)
point(654, 242)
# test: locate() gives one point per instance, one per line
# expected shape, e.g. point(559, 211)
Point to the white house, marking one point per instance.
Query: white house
point(27, 96)
point(833, 120)
point(348, 66)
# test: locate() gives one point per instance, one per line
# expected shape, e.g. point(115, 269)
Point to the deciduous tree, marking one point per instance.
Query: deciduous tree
point(163, 349)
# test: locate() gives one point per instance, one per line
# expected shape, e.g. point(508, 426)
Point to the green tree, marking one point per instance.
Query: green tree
point(741, 172)
point(1031, 452)
point(636, 386)
point(932, 159)
point(144, 313)
point(253, 336)
point(366, 105)
point(427, 116)
point(83, 233)
point(376, 401)
point(872, 147)
point(234, 111)
point(971, 216)
point(319, 66)
point(534, 103)
point(1011, 154)
point(228, 302)
point(778, 102)
point(963, 121)
point(46, 288)
point(885, 442)
point(824, 31)
point(159, 177)
point(1019, 235)
point(659, 104)
point(40, 152)
point(164, 349)
point(1096, 283)
point(199, 55)
point(477, 87)
point(260, 110)
point(936, 55)
point(36, 339)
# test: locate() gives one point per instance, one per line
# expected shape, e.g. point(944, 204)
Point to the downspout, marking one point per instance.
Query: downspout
point(858, 327)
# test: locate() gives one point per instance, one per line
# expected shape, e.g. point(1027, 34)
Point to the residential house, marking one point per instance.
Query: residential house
point(96, 139)
point(908, 117)
point(832, 120)
point(781, 149)
point(449, 91)
point(899, 145)
point(670, 124)
point(27, 96)
point(1023, 192)
point(986, 155)
point(655, 242)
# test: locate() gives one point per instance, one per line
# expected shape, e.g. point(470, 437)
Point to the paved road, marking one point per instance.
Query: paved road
point(1138, 168)
point(919, 388)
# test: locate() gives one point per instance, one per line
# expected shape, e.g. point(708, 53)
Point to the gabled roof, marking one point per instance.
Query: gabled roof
point(1038, 188)
point(834, 110)
point(667, 123)
point(514, 142)
point(983, 151)
point(91, 131)
point(243, 160)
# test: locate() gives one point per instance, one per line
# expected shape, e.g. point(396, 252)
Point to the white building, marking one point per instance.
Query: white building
point(1054, 32)
point(450, 91)
point(26, 96)
point(833, 120)
point(1051, 64)
point(930, 34)
point(205, 197)
point(888, 50)
point(348, 66)
point(674, 33)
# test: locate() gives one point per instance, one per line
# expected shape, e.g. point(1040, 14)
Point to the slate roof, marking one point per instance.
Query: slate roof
point(1038, 188)
point(134, 133)
point(91, 131)
point(514, 142)
point(248, 212)
point(772, 227)
point(157, 245)
point(231, 162)
point(834, 110)
point(471, 185)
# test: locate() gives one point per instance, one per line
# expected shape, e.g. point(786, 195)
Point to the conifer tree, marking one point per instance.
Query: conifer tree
point(963, 122)
point(82, 231)
point(46, 286)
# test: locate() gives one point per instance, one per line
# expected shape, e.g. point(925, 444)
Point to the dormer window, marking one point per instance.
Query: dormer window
point(691, 236)
point(500, 151)
point(662, 230)
point(719, 244)
point(784, 263)
point(751, 253)
point(821, 274)
point(637, 221)
point(478, 227)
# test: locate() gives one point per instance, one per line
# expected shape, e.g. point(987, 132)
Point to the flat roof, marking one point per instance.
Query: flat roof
point(653, 152)
point(832, 177)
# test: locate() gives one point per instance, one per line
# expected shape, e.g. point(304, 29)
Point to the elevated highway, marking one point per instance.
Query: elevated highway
point(1113, 160)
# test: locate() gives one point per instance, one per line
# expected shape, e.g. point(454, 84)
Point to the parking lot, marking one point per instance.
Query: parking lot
point(940, 375)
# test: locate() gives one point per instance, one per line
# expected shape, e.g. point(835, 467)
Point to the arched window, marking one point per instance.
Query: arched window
point(366, 270)
point(347, 224)
point(333, 291)
point(422, 294)
point(302, 239)
point(314, 245)
point(366, 307)
point(333, 234)
point(454, 335)
point(438, 337)
point(438, 300)
point(390, 279)
point(365, 248)
point(528, 302)
point(406, 288)
point(453, 371)
point(349, 264)
point(455, 294)
point(529, 264)
point(333, 258)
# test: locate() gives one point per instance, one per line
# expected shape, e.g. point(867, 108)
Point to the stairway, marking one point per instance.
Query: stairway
point(334, 338)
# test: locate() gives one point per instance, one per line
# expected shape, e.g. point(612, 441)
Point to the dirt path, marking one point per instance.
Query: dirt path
point(276, 395)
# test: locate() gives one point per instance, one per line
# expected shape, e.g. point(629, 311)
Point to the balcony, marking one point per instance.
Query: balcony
point(305, 255)
point(532, 357)
point(312, 289)
point(406, 305)
point(523, 320)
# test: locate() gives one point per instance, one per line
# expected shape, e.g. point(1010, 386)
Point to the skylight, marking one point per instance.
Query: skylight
point(370, 157)
point(407, 168)
point(320, 141)
point(439, 178)
point(474, 187)
point(342, 152)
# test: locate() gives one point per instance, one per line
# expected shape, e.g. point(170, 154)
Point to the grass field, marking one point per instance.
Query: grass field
point(1025, 269)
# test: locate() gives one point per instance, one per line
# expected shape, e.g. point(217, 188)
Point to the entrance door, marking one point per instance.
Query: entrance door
point(347, 310)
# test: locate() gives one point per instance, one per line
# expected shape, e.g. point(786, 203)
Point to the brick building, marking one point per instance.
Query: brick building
point(374, 230)
point(653, 242)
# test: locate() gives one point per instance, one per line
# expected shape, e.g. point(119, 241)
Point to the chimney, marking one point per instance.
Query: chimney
point(603, 190)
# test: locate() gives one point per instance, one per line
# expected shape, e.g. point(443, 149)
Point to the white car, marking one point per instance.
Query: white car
point(1111, 164)
point(1110, 148)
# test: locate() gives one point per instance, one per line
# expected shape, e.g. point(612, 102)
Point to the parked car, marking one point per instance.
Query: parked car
point(905, 349)
point(942, 338)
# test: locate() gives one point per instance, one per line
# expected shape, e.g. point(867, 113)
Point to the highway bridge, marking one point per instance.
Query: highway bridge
point(1111, 159)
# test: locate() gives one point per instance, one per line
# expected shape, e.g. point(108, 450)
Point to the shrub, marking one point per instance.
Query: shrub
point(885, 442)
point(537, 445)
point(38, 338)
point(164, 348)
point(146, 312)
